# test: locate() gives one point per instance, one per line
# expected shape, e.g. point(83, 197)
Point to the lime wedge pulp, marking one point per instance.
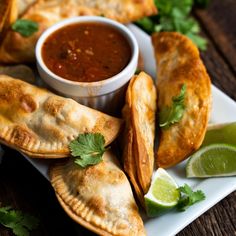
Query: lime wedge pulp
point(212, 160)
point(162, 195)
point(220, 133)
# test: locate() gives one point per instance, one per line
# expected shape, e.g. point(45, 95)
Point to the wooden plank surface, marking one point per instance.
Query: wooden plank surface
point(22, 187)
point(218, 26)
point(219, 23)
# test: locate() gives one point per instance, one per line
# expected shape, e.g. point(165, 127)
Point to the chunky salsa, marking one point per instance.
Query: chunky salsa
point(86, 52)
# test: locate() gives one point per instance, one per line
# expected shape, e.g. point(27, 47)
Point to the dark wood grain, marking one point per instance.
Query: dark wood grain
point(220, 72)
point(22, 187)
point(220, 220)
point(219, 22)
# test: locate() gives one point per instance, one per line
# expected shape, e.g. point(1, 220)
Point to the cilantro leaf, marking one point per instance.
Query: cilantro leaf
point(189, 197)
point(174, 113)
point(25, 27)
point(4, 209)
point(89, 160)
point(147, 24)
point(19, 222)
point(199, 41)
point(29, 221)
point(173, 15)
point(19, 230)
point(88, 149)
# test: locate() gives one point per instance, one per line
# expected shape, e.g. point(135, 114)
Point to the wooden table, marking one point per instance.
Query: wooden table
point(22, 187)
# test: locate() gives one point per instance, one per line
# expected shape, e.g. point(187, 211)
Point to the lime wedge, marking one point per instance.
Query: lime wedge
point(162, 195)
point(212, 160)
point(221, 133)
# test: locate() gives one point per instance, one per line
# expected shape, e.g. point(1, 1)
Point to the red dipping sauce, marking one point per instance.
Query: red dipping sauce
point(86, 52)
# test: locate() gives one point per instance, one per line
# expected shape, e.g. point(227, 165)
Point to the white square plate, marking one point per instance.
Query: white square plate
point(215, 189)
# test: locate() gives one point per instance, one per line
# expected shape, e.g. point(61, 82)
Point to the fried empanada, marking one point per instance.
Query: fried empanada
point(98, 197)
point(139, 113)
point(8, 14)
point(41, 124)
point(129, 161)
point(179, 63)
point(16, 48)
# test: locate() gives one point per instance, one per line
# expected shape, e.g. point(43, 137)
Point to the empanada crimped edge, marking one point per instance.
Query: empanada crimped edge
point(42, 124)
point(100, 201)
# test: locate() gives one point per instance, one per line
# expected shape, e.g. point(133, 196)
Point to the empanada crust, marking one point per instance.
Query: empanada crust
point(98, 197)
point(178, 63)
point(129, 162)
point(138, 149)
point(143, 119)
point(41, 124)
point(8, 14)
point(16, 48)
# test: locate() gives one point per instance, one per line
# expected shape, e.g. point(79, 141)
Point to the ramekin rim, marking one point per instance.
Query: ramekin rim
point(126, 32)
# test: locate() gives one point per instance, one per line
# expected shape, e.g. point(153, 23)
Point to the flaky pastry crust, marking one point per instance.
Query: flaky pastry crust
point(98, 197)
point(178, 63)
point(41, 124)
point(138, 148)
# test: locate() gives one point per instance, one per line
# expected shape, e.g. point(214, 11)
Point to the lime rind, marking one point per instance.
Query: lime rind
point(157, 210)
point(215, 160)
point(163, 194)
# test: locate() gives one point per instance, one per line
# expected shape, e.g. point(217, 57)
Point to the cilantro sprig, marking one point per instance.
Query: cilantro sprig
point(189, 197)
point(19, 222)
point(25, 27)
point(88, 149)
point(174, 113)
point(174, 15)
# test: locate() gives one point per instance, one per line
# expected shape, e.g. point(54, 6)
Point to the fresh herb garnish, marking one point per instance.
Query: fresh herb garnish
point(88, 149)
point(25, 27)
point(19, 222)
point(189, 197)
point(173, 15)
point(174, 113)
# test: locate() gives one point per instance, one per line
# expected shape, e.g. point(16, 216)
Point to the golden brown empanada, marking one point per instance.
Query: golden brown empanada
point(8, 14)
point(5, 6)
point(130, 166)
point(139, 113)
point(178, 63)
point(16, 48)
point(98, 197)
point(41, 124)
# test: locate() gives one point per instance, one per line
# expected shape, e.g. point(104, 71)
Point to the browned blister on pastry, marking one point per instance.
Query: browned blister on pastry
point(98, 197)
point(139, 114)
point(16, 48)
point(41, 124)
point(179, 63)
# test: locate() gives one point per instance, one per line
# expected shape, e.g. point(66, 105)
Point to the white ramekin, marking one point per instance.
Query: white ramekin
point(105, 95)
